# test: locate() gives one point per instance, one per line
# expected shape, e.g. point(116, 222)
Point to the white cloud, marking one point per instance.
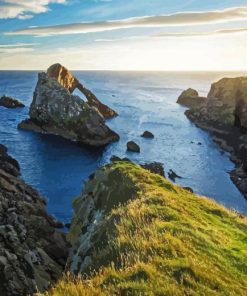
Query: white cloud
point(176, 19)
point(25, 8)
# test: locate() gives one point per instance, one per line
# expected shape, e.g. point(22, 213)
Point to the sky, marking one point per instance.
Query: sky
point(144, 35)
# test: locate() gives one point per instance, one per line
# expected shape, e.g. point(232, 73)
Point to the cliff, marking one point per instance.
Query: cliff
point(33, 252)
point(142, 235)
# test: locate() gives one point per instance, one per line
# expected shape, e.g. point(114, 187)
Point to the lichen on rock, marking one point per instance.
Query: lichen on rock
point(56, 111)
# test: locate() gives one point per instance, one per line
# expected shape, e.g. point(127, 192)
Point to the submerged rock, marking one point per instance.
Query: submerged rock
point(70, 82)
point(190, 98)
point(147, 134)
point(133, 147)
point(55, 110)
point(33, 252)
point(9, 102)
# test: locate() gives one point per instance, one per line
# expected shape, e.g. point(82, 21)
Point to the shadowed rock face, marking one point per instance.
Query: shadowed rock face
point(190, 98)
point(55, 110)
point(69, 81)
point(226, 103)
point(33, 252)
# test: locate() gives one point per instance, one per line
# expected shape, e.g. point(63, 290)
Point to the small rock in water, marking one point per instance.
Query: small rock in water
point(147, 134)
point(133, 147)
point(173, 176)
point(9, 102)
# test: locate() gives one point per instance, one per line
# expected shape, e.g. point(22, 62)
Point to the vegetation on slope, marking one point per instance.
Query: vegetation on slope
point(165, 241)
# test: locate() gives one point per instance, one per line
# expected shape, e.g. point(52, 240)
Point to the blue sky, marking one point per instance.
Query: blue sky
point(124, 35)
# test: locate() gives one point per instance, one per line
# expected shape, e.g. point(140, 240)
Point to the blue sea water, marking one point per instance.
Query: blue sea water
point(145, 101)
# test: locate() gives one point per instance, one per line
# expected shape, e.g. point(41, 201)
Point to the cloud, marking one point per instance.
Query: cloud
point(17, 48)
point(25, 8)
point(176, 19)
point(198, 34)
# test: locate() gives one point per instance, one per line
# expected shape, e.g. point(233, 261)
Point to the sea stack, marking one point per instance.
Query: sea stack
point(54, 110)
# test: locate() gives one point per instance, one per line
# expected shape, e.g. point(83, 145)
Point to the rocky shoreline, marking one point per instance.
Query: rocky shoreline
point(33, 252)
point(222, 113)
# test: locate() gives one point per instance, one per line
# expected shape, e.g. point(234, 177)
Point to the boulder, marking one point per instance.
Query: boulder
point(55, 110)
point(70, 82)
point(11, 103)
point(133, 147)
point(148, 135)
point(190, 98)
point(33, 253)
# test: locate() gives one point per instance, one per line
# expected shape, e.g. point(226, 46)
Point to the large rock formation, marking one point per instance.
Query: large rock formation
point(224, 114)
point(69, 81)
point(33, 252)
point(226, 103)
point(55, 110)
point(190, 98)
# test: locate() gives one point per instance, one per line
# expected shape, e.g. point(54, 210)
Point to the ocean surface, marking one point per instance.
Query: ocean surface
point(145, 101)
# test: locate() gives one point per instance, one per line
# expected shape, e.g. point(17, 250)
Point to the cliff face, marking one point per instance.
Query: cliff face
point(226, 103)
point(141, 234)
point(56, 111)
point(33, 252)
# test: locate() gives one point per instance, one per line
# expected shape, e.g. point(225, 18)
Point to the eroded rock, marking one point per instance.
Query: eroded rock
point(70, 82)
point(33, 252)
point(55, 110)
point(190, 98)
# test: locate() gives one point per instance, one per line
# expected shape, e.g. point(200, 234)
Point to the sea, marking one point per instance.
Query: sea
point(58, 168)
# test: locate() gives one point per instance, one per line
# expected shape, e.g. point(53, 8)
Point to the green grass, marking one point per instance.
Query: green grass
point(166, 241)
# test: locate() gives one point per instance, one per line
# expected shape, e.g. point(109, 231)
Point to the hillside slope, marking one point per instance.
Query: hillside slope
point(163, 241)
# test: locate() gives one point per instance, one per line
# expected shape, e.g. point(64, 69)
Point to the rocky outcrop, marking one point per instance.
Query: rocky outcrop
point(105, 189)
point(11, 103)
point(133, 147)
point(33, 252)
point(55, 110)
point(70, 82)
point(190, 98)
point(154, 167)
point(224, 114)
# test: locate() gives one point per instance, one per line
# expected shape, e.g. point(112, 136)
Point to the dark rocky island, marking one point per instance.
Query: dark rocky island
point(33, 252)
point(55, 110)
point(224, 115)
point(11, 103)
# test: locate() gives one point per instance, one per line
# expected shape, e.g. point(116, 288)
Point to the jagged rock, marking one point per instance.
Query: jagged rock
point(69, 81)
point(55, 110)
point(133, 147)
point(154, 167)
point(147, 134)
point(9, 102)
point(33, 252)
point(190, 98)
